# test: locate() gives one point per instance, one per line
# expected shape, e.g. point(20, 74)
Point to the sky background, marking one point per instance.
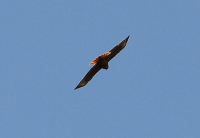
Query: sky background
point(151, 89)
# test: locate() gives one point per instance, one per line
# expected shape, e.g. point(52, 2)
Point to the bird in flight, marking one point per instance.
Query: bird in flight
point(101, 62)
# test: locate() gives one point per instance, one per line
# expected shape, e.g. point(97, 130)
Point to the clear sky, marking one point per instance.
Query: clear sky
point(151, 89)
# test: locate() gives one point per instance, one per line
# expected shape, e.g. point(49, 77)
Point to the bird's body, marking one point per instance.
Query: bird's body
point(101, 62)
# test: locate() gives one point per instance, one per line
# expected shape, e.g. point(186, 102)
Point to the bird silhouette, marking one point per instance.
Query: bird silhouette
point(101, 62)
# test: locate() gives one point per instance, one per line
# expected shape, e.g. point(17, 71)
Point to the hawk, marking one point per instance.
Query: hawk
point(101, 62)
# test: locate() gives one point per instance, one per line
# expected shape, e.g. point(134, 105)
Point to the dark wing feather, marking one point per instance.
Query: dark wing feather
point(88, 76)
point(117, 49)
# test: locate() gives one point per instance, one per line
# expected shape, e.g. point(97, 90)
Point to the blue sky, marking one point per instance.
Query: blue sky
point(151, 89)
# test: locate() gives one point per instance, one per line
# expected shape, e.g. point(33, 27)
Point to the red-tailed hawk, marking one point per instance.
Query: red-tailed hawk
point(101, 62)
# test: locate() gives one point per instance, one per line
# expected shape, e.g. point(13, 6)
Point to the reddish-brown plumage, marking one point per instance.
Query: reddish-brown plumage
point(98, 58)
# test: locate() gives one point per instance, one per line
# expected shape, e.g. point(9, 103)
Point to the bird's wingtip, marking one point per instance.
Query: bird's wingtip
point(77, 87)
point(81, 84)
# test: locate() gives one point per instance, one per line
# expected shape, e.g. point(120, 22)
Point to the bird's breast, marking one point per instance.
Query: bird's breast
point(103, 63)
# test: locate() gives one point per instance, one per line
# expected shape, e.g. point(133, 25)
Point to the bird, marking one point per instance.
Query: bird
point(101, 62)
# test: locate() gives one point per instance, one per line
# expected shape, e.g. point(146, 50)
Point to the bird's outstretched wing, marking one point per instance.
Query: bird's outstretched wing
point(117, 49)
point(88, 76)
